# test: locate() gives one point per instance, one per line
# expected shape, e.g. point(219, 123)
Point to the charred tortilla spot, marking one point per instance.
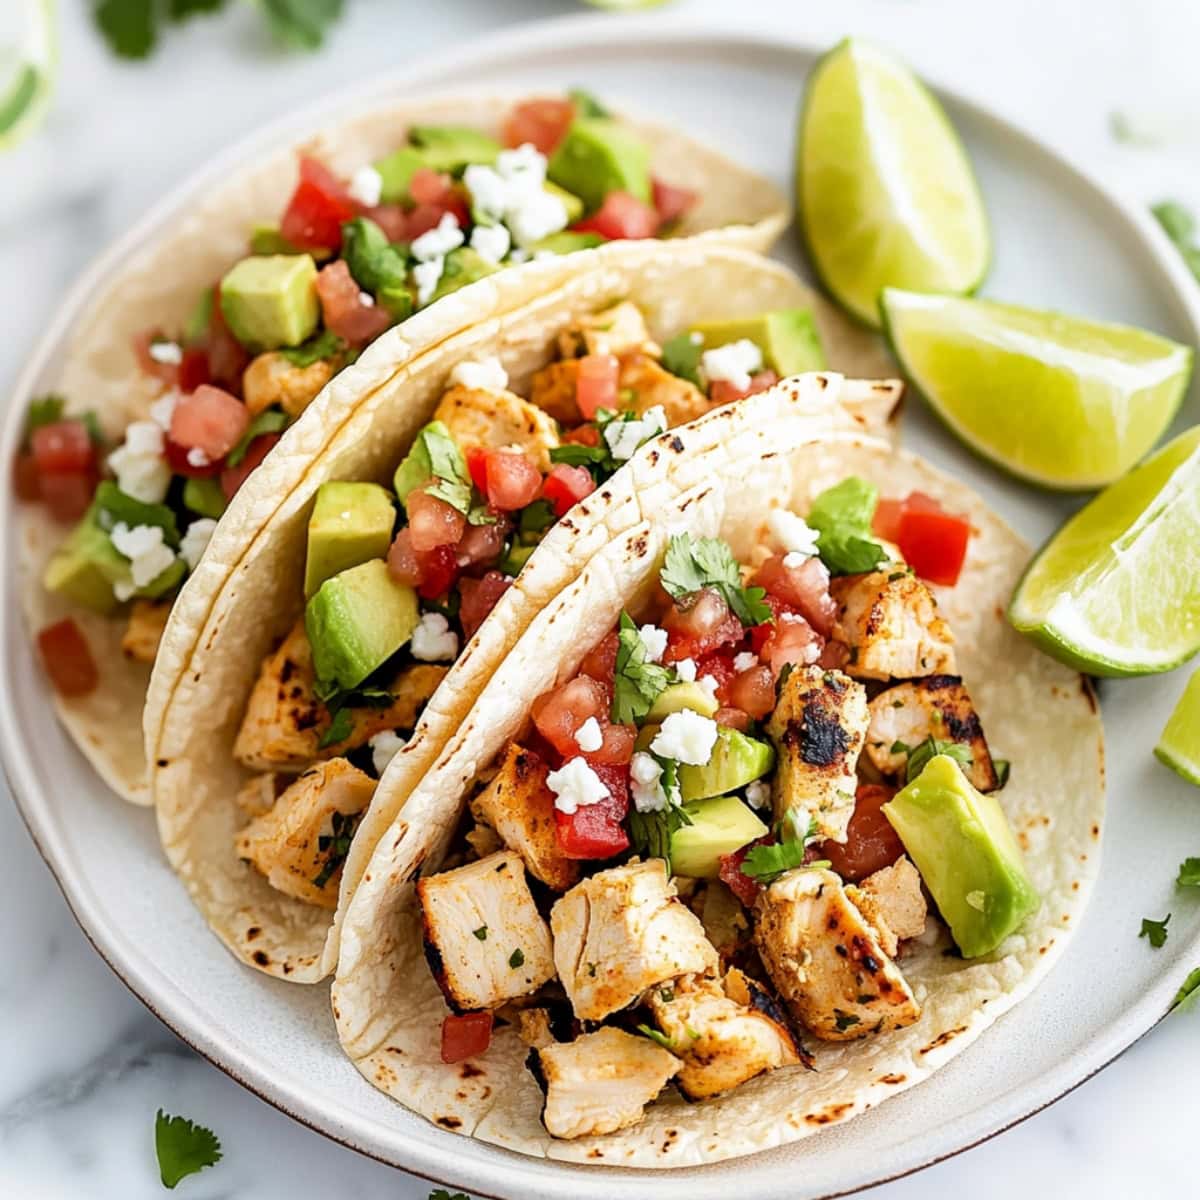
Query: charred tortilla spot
point(253, 932)
point(470, 1071)
point(262, 958)
point(892, 1079)
point(676, 444)
point(943, 1039)
point(162, 762)
point(449, 1122)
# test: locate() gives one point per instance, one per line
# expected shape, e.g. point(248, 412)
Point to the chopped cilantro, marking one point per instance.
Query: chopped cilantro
point(765, 863)
point(1156, 931)
point(637, 682)
point(681, 356)
point(436, 464)
point(666, 994)
point(340, 728)
point(536, 518)
point(1003, 769)
point(931, 747)
point(517, 958)
point(301, 24)
point(844, 1020)
point(586, 105)
point(650, 832)
point(113, 505)
point(695, 563)
point(599, 460)
point(43, 410)
point(1189, 873)
point(1187, 991)
point(320, 346)
point(183, 1148)
point(341, 705)
point(481, 933)
point(658, 1036)
point(442, 1194)
point(378, 266)
point(1180, 226)
point(841, 515)
point(336, 845)
point(272, 420)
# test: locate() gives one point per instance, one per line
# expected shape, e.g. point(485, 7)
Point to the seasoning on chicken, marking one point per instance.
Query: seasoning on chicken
point(652, 385)
point(892, 900)
point(600, 1082)
point(271, 380)
point(258, 794)
point(618, 330)
point(622, 931)
point(519, 806)
point(890, 622)
point(827, 961)
point(552, 389)
point(485, 940)
point(937, 706)
point(301, 843)
point(147, 620)
point(533, 1027)
point(818, 726)
point(482, 418)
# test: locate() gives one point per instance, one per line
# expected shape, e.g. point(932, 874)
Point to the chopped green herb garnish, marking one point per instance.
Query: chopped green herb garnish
point(436, 464)
point(517, 958)
point(336, 845)
point(442, 1194)
point(481, 933)
point(272, 420)
point(666, 995)
point(637, 682)
point(931, 747)
point(114, 505)
point(765, 863)
point(378, 266)
point(1189, 873)
point(43, 410)
point(650, 832)
point(341, 705)
point(842, 515)
point(1185, 997)
point(183, 1148)
point(845, 1020)
point(1180, 226)
point(586, 105)
point(1003, 769)
point(681, 356)
point(320, 346)
point(656, 1035)
point(695, 563)
point(1155, 931)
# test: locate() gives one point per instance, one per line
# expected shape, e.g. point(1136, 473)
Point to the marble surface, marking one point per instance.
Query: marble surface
point(83, 1066)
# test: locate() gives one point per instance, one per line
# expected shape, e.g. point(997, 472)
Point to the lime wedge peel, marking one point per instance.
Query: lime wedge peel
point(1114, 591)
point(27, 72)
point(885, 191)
point(1179, 746)
point(1062, 402)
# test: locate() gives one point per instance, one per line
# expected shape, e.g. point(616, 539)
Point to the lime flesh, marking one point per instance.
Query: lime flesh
point(886, 194)
point(1115, 591)
point(28, 60)
point(1179, 746)
point(1060, 401)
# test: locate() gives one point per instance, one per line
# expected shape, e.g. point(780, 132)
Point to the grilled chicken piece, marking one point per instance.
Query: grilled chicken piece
point(827, 961)
point(892, 900)
point(652, 384)
point(301, 843)
point(271, 379)
point(519, 806)
point(724, 919)
point(553, 391)
point(257, 795)
point(284, 720)
point(890, 622)
point(936, 706)
point(485, 940)
point(533, 1027)
point(479, 417)
point(147, 620)
point(600, 1082)
point(622, 931)
point(618, 330)
point(818, 727)
point(722, 1041)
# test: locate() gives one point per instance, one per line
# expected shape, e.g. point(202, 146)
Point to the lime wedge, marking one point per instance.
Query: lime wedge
point(28, 62)
point(1179, 746)
point(1062, 402)
point(885, 191)
point(1114, 591)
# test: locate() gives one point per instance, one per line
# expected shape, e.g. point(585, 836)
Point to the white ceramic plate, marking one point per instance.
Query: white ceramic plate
point(1061, 241)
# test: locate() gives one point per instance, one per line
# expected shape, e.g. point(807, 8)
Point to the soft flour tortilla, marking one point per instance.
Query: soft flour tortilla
point(158, 288)
point(244, 597)
point(1036, 712)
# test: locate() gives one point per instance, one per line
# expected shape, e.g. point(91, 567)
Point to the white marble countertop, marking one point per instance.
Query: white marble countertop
point(83, 1066)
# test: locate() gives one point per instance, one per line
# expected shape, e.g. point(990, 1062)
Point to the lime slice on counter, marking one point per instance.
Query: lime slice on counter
point(28, 62)
point(1116, 591)
point(1179, 746)
point(886, 194)
point(1060, 401)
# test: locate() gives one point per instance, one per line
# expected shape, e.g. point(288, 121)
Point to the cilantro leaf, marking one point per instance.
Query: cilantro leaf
point(516, 958)
point(113, 505)
point(536, 518)
point(301, 23)
point(656, 1035)
point(1003, 769)
point(599, 459)
point(183, 1148)
point(436, 464)
point(1187, 991)
point(681, 356)
point(695, 563)
point(650, 832)
point(335, 845)
point(841, 515)
point(1180, 226)
point(378, 266)
point(322, 345)
point(43, 410)
point(1156, 931)
point(340, 728)
point(844, 1020)
point(586, 105)
point(129, 26)
point(637, 682)
point(272, 420)
point(765, 862)
point(576, 455)
point(931, 747)
point(1189, 873)
point(180, 10)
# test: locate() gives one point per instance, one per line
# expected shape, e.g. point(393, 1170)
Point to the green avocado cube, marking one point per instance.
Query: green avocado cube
point(83, 568)
point(720, 825)
point(788, 338)
point(396, 171)
point(463, 266)
point(567, 242)
point(675, 697)
point(350, 523)
point(599, 156)
point(736, 760)
point(270, 301)
point(964, 848)
point(164, 582)
point(451, 147)
point(204, 497)
point(356, 622)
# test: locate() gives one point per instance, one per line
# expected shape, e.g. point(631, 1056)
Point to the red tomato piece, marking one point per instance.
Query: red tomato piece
point(671, 202)
point(753, 691)
point(403, 564)
point(793, 640)
point(596, 383)
point(68, 659)
point(871, 842)
point(730, 873)
point(600, 662)
point(720, 668)
point(482, 543)
point(544, 122)
point(227, 357)
point(210, 420)
point(617, 747)
point(620, 216)
point(596, 831)
point(558, 714)
point(177, 459)
point(67, 496)
point(392, 219)
point(513, 480)
point(721, 391)
point(433, 522)
point(63, 448)
point(477, 467)
point(466, 1036)
point(318, 207)
point(439, 570)
point(193, 371)
point(347, 310)
point(583, 435)
point(479, 597)
point(565, 486)
point(886, 521)
point(232, 478)
point(699, 624)
point(760, 633)
point(25, 477)
point(428, 186)
point(732, 718)
point(934, 543)
point(805, 587)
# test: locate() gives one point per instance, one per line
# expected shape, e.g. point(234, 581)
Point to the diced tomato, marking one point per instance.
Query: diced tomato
point(721, 391)
point(871, 842)
point(428, 186)
point(433, 522)
point(792, 640)
point(68, 496)
point(720, 668)
point(596, 383)
point(466, 1037)
point(934, 544)
point(177, 459)
point(227, 357)
point(565, 486)
point(543, 122)
point(319, 205)
point(403, 564)
point(63, 448)
point(392, 219)
point(558, 714)
point(671, 202)
point(834, 656)
point(439, 570)
point(760, 633)
point(232, 478)
point(513, 479)
point(886, 521)
point(210, 420)
point(193, 371)
point(477, 467)
point(600, 662)
point(479, 597)
point(617, 747)
point(347, 310)
point(583, 435)
point(732, 718)
point(730, 873)
point(805, 587)
point(753, 691)
point(25, 477)
point(596, 831)
point(697, 625)
point(482, 543)
point(620, 216)
point(68, 659)
point(167, 373)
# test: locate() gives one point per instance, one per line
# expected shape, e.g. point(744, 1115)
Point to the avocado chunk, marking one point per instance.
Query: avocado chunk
point(450, 147)
point(83, 568)
point(720, 825)
point(350, 523)
point(677, 696)
point(463, 266)
point(788, 338)
point(567, 242)
point(270, 301)
point(204, 497)
point(598, 156)
point(396, 171)
point(962, 844)
point(736, 760)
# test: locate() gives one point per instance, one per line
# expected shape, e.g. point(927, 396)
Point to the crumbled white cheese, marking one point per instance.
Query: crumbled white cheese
point(144, 437)
point(163, 409)
point(709, 685)
point(426, 276)
point(685, 668)
point(138, 463)
point(793, 533)
point(518, 256)
point(366, 299)
point(195, 540)
point(732, 363)
point(624, 437)
point(655, 642)
point(575, 785)
point(149, 555)
point(645, 786)
point(168, 353)
point(433, 640)
point(197, 458)
point(758, 794)
point(487, 374)
point(366, 186)
point(526, 164)
point(491, 242)
point(437, 243)
point(589, 736)
point(489, 192)
point(687, 737)
point(744, 660)
point(384, 747)
point(535, 215)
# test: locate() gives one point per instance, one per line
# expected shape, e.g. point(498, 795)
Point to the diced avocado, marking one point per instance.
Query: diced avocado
point(720, 825)
point(357, 621)
point(396, 171)
point(961, 843)
point(164, 582)
point(83, 567)
point(516, 558)
point(268, 240)
point(449, 147)
point(677, 696)
point(572, 203)
point(788, 338)
point(646, 735)
point(204, 497)
point(350, 523)
point(598, 156)
point(736, 760)
point(567, 242)
point(270, 301)
point(463, 266)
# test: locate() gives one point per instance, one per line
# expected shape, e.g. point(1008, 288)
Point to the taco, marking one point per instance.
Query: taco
point(370, 610)
point(726, 850)
point(202, 347)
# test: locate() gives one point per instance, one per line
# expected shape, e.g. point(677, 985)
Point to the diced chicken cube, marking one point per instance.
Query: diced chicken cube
point(271, 380)
point(652, 384)
point(147, 620)
point(618, 330)
point(533, 1027)
point(890, 622)
point(892, 900)
point(818, 726)
point(519, 806)
point(301, 843)
point(620, 932)
point(553, 391)
point(485, 940)
point(937, 706)
point(479, 417)
point(827, 960)
point(600, 1082)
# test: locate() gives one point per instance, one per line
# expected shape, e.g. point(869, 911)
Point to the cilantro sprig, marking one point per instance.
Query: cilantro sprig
point(335, 845)
point(692, 564)
point(599, 460)
point(272, 420)
point(436, 464)
point(637, 682)
point(842, 515)
point(1189, 873)
point(341, 706)
point(1188, 989)
point(1155, 931)
point(765, 863)
point(931, 747)
point(681, 356)
point(321, 345)
point(183, 1148)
